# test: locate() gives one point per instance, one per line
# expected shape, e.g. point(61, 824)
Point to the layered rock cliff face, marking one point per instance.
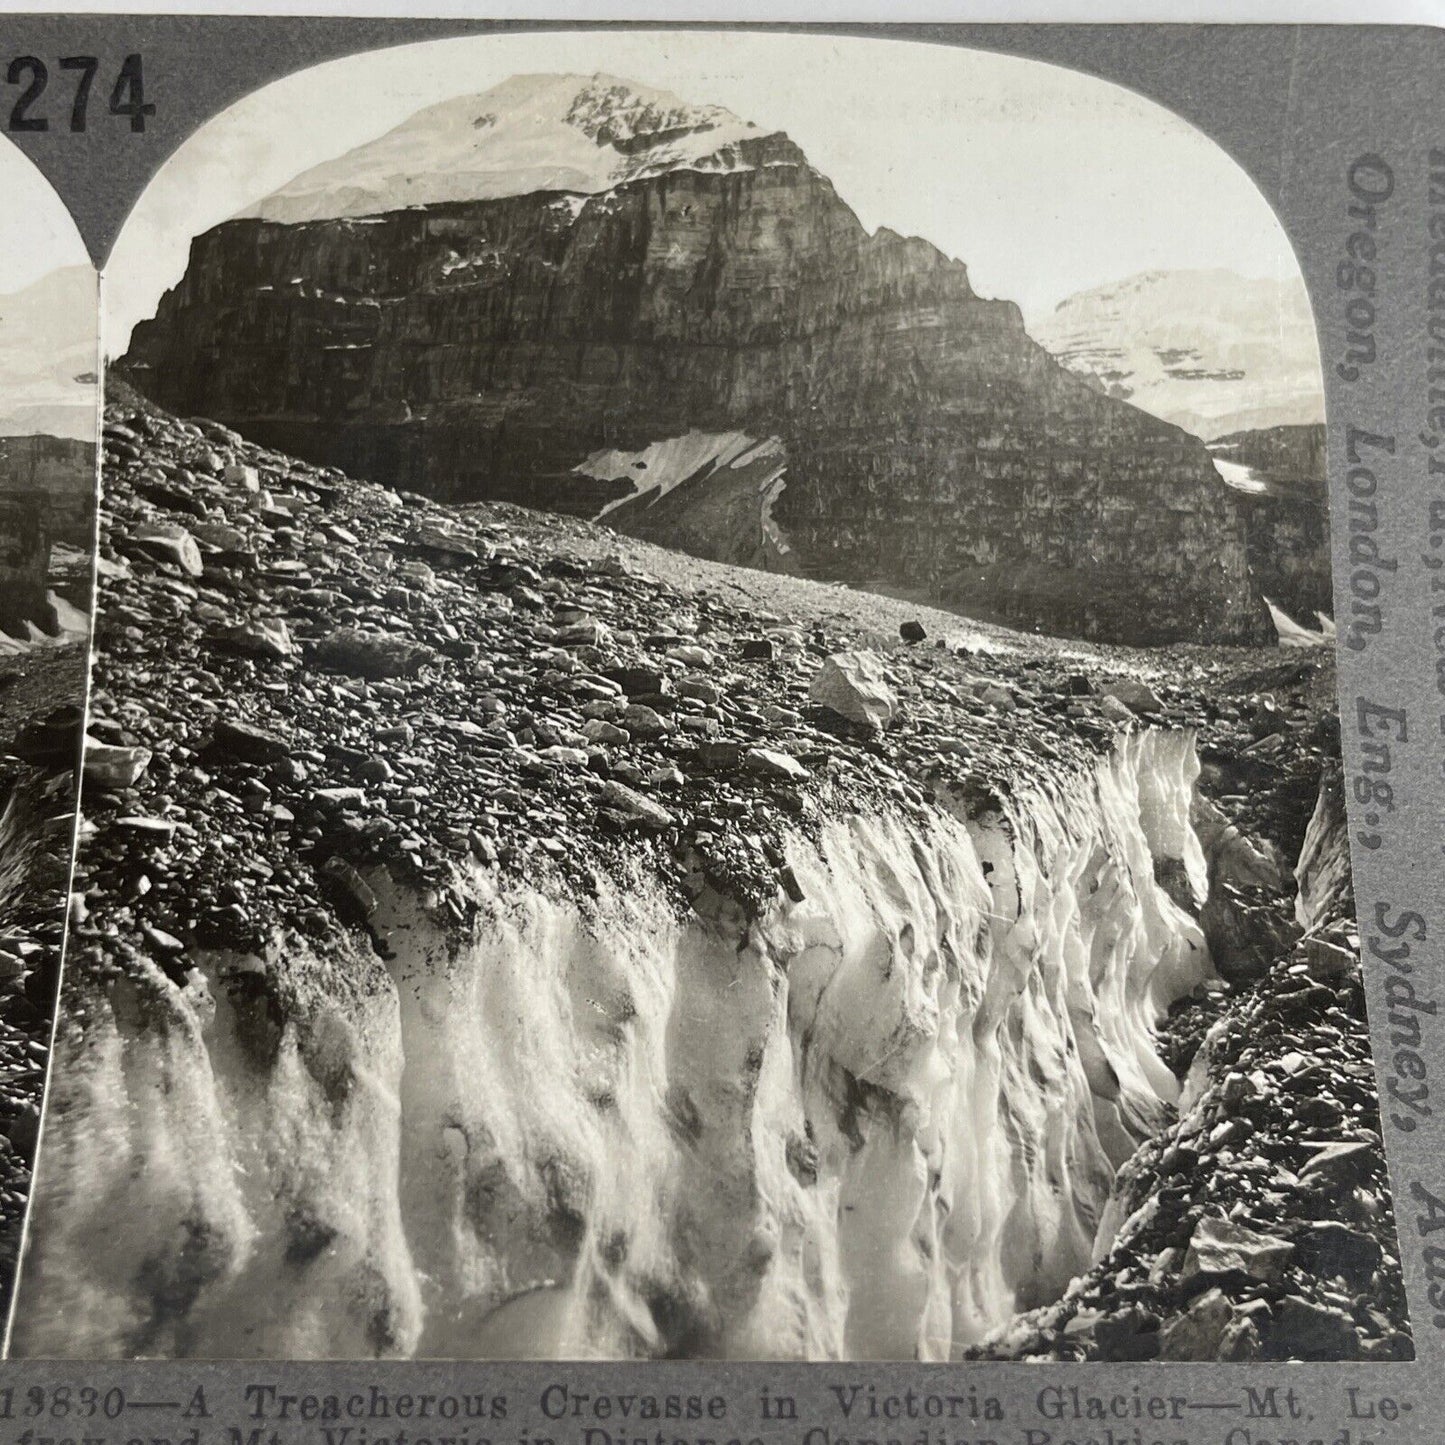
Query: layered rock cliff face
point(500, 937)
point(483, 348)
point(58, 467)
point(1279, 473)
point(47, 497)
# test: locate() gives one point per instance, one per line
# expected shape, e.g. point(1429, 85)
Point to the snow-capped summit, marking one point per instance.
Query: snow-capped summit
point(578, 133)
point(1211, 351)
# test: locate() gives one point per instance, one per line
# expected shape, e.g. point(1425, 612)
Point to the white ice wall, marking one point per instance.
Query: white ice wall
point(871, 1124)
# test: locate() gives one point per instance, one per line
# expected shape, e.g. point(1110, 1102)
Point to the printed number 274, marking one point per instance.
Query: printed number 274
point(127, 96)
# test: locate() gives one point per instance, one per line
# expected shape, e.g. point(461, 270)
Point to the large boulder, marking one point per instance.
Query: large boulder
point(632, 809)
point(854, 685)
point(1222, 1247)
point(1137, 696)
point(168, 543)
point(246, 743)
point(109, 766)
point(1196, 1334)
point(369, 654)
point(261, 637)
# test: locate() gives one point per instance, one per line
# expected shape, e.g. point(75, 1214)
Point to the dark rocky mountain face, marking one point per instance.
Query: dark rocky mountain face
point(1287, 521)
point(483, 349)
point(58, 474)
point(47, 495)
point(1291, 456)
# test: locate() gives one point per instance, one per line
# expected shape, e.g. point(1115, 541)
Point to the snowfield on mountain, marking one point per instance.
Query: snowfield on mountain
point(580, 134)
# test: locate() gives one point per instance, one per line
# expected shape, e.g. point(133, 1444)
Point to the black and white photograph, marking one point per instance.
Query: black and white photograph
point(49, 414)
point(712, 733)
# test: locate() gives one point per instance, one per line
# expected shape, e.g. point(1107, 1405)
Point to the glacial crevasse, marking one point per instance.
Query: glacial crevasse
point(872, 1123)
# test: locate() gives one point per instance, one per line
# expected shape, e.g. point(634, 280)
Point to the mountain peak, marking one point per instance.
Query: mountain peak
point(608, 109)
point(537, 132)
point(1207, 349)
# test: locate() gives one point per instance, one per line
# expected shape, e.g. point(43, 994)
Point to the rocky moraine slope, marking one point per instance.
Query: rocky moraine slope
point(495, 935)
point(47, 519)
point(440, 310)
point(41, 699)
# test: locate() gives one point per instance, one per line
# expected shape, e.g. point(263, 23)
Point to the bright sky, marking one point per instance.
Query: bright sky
point(36, 233)
point(1045, 181)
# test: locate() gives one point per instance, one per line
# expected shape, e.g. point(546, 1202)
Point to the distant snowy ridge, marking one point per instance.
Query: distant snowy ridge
point(1211, 351)
point(577, 133)
point(49, 356)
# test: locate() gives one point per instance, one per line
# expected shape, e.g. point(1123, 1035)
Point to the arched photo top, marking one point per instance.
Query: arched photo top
point(704, 604)
point(1056, 188)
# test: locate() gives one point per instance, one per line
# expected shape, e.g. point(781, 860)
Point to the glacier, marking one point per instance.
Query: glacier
point(873, 1123)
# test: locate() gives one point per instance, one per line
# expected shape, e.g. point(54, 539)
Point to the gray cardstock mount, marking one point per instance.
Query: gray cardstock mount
point(1294, 106)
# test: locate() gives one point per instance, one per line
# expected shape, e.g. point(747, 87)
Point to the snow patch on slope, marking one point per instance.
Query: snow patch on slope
point(583, 134)
point(700, 458)
point(663, 466)
point(1293, 634)
point(1241, 477)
